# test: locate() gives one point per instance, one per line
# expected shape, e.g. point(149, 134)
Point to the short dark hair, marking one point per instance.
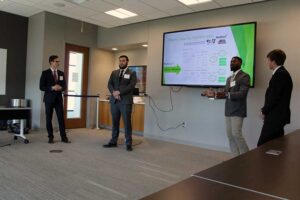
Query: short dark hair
point(238, 58)
point(124, 56)
point(52, 58)
point(277, 55)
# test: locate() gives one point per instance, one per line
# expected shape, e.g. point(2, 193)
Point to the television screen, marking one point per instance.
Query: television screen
point(141, 72)
point(201, 57)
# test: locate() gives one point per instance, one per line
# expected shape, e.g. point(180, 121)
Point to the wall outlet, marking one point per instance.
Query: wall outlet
point(184, 124)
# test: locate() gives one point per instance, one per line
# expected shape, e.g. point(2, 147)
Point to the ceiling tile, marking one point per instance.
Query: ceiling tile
point(20, 9)
point(92, 11)
point(92, 21)
point(99, 5)
point(5, 3)
point(122, 2)
point(33, 1)
point(225, 3)
point(155, 14)
point(205, 6)
point(136, 19)
point(179, 10)
point(105, 18)
point(163, 4)
point(140, 8)
point(80, 11)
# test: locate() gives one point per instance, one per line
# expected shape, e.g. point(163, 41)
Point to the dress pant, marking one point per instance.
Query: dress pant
point(237, 142)
point(269, 132)
point(58, 106)
point(117, 109)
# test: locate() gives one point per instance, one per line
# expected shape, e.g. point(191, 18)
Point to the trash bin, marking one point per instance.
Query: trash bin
point(18, 103)
point(21, 103)
point(14, 125)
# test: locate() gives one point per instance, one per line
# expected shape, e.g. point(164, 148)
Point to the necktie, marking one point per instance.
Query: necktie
point(55, 76)
point(121, 73)
point(232, 77)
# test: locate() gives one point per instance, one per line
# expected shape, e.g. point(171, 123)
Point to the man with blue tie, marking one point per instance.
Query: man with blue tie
point(121, 85)
point(52, 82)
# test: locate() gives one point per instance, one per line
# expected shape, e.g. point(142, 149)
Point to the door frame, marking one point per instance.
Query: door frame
point(77, 122)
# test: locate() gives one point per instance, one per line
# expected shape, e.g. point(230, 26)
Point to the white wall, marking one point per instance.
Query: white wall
point(34, 63)
point(101, 66)
point(136, 57)
point(102, 63)
point(3, 59)
point(277, 28)
point(47, 35)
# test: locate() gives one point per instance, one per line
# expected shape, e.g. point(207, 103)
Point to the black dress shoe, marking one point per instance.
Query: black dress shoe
point(110, 145)
point(51, 141)
point(65, 140)
point(129, 148)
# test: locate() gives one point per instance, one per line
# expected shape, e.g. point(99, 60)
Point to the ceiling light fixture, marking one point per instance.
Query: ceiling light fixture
point(193, 2)
point(145, 45)
point(114, 49)
point(121, 13)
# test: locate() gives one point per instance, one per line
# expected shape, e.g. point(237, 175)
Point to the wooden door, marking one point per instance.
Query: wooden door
point(76, 72)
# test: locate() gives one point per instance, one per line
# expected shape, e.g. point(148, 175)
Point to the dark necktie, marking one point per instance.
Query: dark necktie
point(121, 73)
point(55, 76)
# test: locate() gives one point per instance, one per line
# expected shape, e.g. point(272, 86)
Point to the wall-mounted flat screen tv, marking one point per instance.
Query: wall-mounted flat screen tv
point(201, 57)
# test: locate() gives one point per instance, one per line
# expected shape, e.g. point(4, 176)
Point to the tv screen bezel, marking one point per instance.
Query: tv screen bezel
point(194, 29)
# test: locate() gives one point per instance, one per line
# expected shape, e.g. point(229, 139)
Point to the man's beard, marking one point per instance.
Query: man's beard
point(234, 68)
point(122, 66)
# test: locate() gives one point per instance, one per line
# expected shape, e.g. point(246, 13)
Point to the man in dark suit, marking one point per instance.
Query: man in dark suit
point(236, 91)
point(276, 110)
point(121, 85)
point(52, 82)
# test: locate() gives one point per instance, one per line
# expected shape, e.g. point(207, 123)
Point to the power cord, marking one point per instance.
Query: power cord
point(153, 105)
point(161, 110)
point(176, 91)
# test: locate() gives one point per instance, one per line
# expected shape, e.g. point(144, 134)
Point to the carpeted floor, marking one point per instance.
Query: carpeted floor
point(86, 171)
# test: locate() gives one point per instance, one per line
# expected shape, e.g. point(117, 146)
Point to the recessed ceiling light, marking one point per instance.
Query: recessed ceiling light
point(145, 45)
point(114, 49)
point(121, 13)
point(193, 2)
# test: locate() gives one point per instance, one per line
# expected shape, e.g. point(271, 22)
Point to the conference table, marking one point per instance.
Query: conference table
point(7, 113)
point(194, 188)
point(271, 171)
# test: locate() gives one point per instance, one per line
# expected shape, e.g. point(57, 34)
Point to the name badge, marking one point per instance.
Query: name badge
point(232, 83)
point(127, 76)
point(61, 78)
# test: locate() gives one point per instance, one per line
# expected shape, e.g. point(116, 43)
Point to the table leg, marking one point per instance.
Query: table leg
point(21, 135)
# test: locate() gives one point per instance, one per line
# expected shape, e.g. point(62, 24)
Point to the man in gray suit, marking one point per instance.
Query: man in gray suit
point(236, 91)
point(121, 85)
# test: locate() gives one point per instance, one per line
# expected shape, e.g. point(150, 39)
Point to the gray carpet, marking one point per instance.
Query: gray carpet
point(86, 171)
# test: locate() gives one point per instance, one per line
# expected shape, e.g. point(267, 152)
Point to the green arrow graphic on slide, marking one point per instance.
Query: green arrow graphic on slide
point(172, 69)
